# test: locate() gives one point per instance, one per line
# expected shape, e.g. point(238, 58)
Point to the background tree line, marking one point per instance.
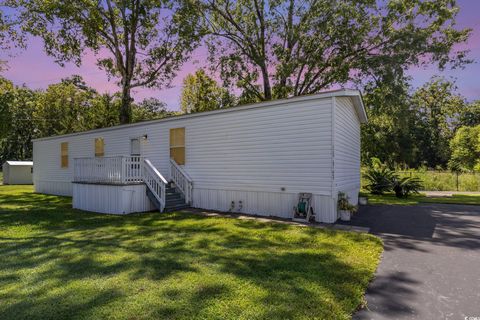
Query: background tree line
point(65, 107)
point(426, 127)
point(260, 50)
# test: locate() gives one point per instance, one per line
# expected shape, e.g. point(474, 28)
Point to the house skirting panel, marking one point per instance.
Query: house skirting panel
point(276, 204)
point(58, 188)
point(112, 199)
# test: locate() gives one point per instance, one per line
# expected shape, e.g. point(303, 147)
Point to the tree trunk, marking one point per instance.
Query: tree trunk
point(289, 42)
point(126, 108)
point(267, 90)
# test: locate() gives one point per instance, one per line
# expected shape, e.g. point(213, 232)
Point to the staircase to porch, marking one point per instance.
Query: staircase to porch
point(175, 194)
point(174, 199)
point(168, 196)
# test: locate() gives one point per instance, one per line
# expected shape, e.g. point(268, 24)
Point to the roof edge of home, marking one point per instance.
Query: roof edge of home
point(19, 163)
point(320, 95)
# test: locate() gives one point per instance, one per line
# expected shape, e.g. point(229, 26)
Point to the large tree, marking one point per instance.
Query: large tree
point(150, 109)
point(465, 147)
point(413, 128)
point(62, 107)
point(142, 43)
point(438, 107)
point(17, 105)
point(389, 134)
point(11, 33)
point(65, 107)
point(202, 93)
point(279, 48)
point(471, 114)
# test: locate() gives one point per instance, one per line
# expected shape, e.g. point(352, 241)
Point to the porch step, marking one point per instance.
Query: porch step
point(177, 207)
point(174, 199)
point(175, 202)
point(174, 196)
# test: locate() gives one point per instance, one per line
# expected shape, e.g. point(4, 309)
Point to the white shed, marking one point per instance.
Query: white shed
point(18, 172)
point(253, 159)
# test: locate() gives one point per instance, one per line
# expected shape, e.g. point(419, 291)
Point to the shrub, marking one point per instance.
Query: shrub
point(379, 180)
point(405, 186)
point(465, 147)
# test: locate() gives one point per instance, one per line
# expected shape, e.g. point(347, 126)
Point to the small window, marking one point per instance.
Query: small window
point(177, 145)
point(135, 147)
point(99, 147)
point(64, 154)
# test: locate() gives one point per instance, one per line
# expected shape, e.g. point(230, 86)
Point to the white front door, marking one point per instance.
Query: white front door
point(135, 147)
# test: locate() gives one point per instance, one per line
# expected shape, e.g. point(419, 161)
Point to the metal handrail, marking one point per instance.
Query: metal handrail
point(155, 182)
point(182, 181)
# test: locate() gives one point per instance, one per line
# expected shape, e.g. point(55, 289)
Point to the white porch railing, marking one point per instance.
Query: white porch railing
point(155, 182)
point(182, 181)
point(114, 170)
point(133, 169)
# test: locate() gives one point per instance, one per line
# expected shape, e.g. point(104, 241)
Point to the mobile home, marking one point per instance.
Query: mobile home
point(253, 159)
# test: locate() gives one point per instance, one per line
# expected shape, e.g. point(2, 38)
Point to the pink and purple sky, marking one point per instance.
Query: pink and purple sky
point(37, 70)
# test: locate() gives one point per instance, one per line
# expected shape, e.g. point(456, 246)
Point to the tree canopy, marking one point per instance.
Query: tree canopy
point(466, 149)
point(415, 127)
point(273, 49)
point(390, 133)
point(65, 107)
point(438, 108)
point(142, 43)
point(11, 32)
point(202, 93)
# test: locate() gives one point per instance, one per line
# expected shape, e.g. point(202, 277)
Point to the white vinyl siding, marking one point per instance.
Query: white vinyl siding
point(265, 149)
point(347, 148)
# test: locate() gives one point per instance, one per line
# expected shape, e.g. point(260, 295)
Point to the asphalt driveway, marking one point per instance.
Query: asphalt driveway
point(431, 265)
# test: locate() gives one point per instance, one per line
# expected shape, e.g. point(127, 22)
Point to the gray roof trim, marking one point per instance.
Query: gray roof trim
point(359, 106)
point(355, 94)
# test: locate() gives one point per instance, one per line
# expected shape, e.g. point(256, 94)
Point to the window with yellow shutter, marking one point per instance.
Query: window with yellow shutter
point(64, 154)
point(177, 145)
point(99, 147)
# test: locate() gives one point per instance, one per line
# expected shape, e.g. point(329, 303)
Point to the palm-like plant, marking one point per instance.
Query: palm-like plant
point(380, 180)
point(405, 186)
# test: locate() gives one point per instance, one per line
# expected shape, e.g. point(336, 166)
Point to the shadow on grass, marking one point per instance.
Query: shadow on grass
point(57, 263)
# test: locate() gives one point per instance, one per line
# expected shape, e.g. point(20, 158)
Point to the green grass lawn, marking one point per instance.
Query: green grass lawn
point(390, 199)
point(60, 263)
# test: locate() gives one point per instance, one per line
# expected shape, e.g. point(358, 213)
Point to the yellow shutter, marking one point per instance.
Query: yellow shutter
point(99, 147)
point(177, 145)
point(64, 154)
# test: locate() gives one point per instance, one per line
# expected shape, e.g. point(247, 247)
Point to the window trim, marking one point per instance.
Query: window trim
point(64, 155)
point(178, 146)
point(99, 154)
